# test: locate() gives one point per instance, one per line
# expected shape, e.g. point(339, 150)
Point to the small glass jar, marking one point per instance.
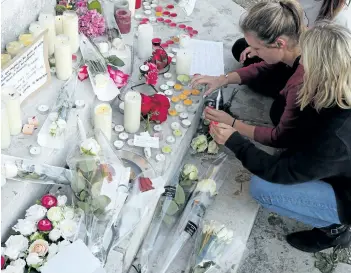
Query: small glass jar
point(123, 20)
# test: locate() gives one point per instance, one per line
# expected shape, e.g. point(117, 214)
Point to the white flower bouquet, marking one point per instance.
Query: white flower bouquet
point(47, 228)
point(169, 208)
point(202, 197)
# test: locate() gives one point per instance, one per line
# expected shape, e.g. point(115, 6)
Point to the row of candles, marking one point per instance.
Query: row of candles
point(62, 40)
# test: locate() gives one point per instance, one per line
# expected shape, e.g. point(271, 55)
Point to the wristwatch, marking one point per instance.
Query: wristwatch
point(226, 76)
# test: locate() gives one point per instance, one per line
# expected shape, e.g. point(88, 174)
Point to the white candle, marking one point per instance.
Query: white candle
point(59, 24)
point(47, 21)
point(132, 6)
point(132, 109)
point(63, 57)
point(144, 45)
point(5, 128)
point(12, 100)
point(70, 28)
point(103, 119)
point(35, 29)
point(184, 41)
point(183, 64)
point(13, 48)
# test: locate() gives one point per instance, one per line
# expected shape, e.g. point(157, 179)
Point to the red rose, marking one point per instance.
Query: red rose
point(44, 225)
point(152, 77)
point(49, 201)
point(146, 104)
point(161, 100)
point(159, 114)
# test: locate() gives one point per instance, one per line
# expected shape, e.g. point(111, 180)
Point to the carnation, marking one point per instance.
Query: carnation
point(34, 260)
point(25, 226)
point(55, 214)
point(36, 213)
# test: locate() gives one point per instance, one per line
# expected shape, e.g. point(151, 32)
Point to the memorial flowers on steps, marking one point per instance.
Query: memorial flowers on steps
point(46, 229)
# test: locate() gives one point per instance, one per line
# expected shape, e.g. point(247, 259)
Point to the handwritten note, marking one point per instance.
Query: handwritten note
point(207, 58)
point(28, 71)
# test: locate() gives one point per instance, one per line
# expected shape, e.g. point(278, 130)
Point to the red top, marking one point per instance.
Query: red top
point(285, 132)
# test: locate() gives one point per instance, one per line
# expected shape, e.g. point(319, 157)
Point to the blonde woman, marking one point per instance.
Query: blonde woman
point(273, 29)
point(310, 183)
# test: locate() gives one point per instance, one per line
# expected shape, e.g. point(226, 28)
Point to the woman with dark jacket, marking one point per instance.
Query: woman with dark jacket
point(310, 182)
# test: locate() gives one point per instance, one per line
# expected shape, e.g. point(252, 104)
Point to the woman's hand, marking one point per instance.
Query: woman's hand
point(221, 132)
point(219, 116)
point(247, 53)
point(212, 83)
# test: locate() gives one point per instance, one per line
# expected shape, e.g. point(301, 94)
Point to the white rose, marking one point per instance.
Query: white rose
point(33, 259)
point(61, 200)
point(190, 171)
point(13, 269)
point(54, 234)
point(39, 246)
point(10, 170)
point(53, 249)
point(68, 213)
point(90, 147)
point(19, 263)
point(63, 244)
point(68, 228)
point(25, 226)
point(55, 214)
point(206, 185)
point(36, 213)
point(15, 245)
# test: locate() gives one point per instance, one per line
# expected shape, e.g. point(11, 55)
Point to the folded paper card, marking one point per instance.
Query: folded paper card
point(75, 258)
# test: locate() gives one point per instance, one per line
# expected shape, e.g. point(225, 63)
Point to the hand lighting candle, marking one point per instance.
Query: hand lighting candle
point(103, 119)
point(59, 24)
point(12, 100)
point(5, 128)
point(70, 29)
point(63, 57)
point(183, 64)
point(132, 111)
point(47, 21)
point(144, 45)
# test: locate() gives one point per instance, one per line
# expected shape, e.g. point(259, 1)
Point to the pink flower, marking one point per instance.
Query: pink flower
point(92, 23)
point(152, 77)
point(83, 73)
point(81, 4)
point(118, 77)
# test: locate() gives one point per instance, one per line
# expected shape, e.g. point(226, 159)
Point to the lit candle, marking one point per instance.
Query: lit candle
point(13, 48)
point(183, 64)
point(5, 58)
point(26, 39)
point(36, 29)
point(12, 100)
point(144, 45)
point(59, 24)
point(70, 28)
point(63, 57)
point(132, 109)
point(47, 21)
point(103, 119)
point(5, 128)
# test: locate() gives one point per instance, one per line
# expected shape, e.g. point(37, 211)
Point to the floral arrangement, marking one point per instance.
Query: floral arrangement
point(152, 74)
point(168, 210)
point(160, 58)
point(202, 143)
point(212, 242)
point(92, 23)
point(62, 5)
point(47, 228)
point(154, 108)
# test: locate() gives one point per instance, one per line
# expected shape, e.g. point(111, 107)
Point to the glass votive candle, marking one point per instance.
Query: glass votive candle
point(172, 25)
point(189, 29)
point(158, 11)
point(160, 20)
point(26, 39)
point(123, 20)
point(166, 13)
point(173, 15)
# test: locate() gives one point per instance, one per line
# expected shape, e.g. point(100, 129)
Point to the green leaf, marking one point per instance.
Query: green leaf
point(84, 206)
point(179, 196)
point(172, 208)
point(78, 183)
point(95, 5)
point(115, 61)
point(60, 9)
point(101, 202)
point(88, 165)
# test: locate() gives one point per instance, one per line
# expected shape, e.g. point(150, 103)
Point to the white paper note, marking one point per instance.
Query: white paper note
point(207, 58)
point(146, 141)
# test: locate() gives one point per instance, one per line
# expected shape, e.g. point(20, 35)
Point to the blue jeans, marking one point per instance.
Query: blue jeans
point(312, 203)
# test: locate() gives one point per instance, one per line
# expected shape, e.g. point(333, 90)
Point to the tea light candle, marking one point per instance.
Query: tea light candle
point(175, 50)
point(34, 151)
point(130, 142)
point(154, 1)
point(43, 109)
point(175, 125)
point(132, 111)
point(183, 115)
point(137, 17)
point(183, 65)
point(26, 39)
point(121, 107)
point(164, 87)
point(59, 24)
point(5, 128)
point(119, 128)
point(158, 128)
point(183, 79)
point(170, 140)
point(167, 75)
point(79, 104)
point(103, 119)
point(171, 54)
point(166, 13)
point(118, 144)
point(153, 6)
point(147, 12)
point(146, 4)
point(186, 123)
point(13, 48)
point(169, 93)
point(63, 57)
point(13, 106)
point(158, 11)
point(160, 158)
point(177, 133)
point(70, 29)
point(144, 45)
point(178, 87)
point(172, 112)
point(180, 108)
point(147, 7)
point(170, 83)
point(5, 58)
point(47, 21)
point(152, 19)
point(192, 109)
point(123, 136)
point(195, 92)
point(36, 29)
point(174, 61)
point(166, 149)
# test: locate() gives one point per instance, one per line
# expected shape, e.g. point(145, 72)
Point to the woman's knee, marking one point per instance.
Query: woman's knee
point(259, 190)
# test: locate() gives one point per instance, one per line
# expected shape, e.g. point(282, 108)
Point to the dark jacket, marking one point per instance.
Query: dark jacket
point(323, 153)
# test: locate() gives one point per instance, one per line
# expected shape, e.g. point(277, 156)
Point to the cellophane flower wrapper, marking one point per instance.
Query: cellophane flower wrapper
point(169, 208)
point(193, 215)
point(215, 250)
point(97, 172)
point(134, 219)
point(27, 170)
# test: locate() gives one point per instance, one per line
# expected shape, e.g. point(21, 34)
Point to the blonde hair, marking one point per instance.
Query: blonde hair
point(326, 57)
point(270, 20)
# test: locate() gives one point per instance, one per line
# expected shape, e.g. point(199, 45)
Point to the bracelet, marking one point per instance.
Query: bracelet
point(234, 122)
